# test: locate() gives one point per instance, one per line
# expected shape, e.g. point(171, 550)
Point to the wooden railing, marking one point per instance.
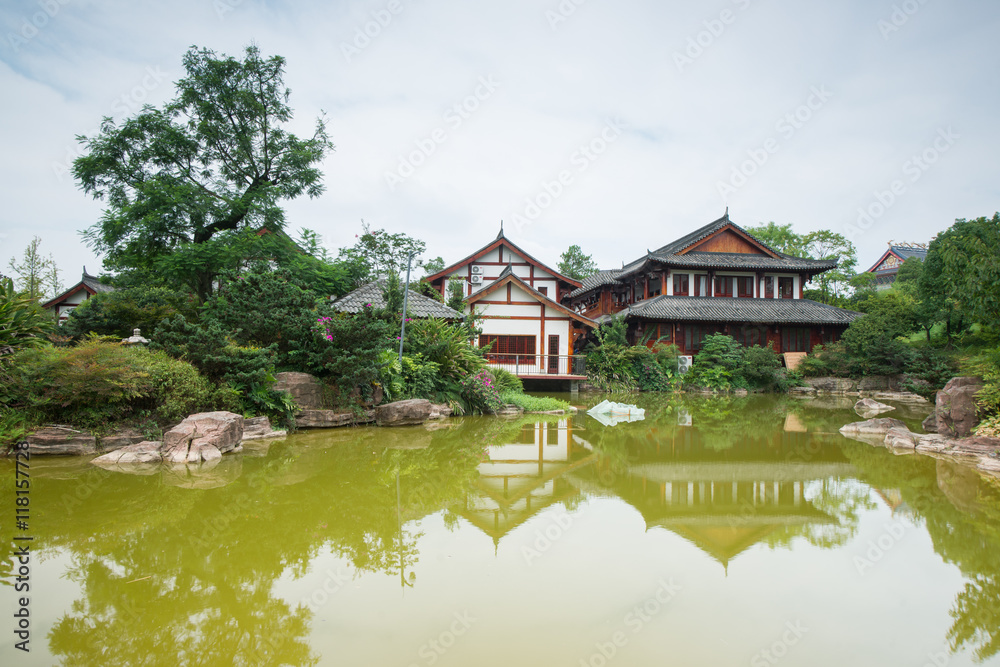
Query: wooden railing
point(540, 364)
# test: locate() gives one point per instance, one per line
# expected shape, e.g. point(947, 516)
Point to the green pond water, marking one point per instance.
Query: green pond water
point(725, 531)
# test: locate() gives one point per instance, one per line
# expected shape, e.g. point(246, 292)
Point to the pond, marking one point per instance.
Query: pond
point(718, 531)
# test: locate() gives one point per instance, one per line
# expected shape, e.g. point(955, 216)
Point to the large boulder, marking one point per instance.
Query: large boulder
point(879, 426)
point(120, 438)
point(257, 428)
point(832, 385)
point(440, 411)
point(203, 437)
point(403, 413)
point(956, 407)
point(901, 438)
point(902, 396)
point(306, 389)
point(61, 441)
point(143, 458)
point(868, 408)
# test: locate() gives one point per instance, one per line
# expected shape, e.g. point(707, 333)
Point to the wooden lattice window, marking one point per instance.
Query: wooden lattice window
point(509, 349)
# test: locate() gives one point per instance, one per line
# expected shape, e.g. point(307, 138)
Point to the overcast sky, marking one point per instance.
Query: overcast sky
point(618, 126)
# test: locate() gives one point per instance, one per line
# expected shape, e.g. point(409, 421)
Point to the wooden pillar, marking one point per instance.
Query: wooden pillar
point(645, 286)
point(663, 283)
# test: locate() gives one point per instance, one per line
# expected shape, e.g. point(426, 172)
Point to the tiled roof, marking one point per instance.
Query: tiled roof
point(728, 309)
point(736, 260)
point(93, 283)
point(599, 279)
point(906, 252)
point(417, 305)
point(667, 255)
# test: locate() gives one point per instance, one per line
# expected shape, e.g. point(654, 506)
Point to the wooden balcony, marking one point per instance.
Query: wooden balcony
point(541, 366)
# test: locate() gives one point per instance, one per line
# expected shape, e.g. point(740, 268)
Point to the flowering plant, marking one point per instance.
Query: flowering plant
point(480, 392)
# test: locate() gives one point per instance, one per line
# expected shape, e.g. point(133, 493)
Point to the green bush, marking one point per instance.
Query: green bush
point(346, 348)
point(96, 385)
point(446, 345)
point(506, 382)
point(533, 403)
point(23, 323)
point(480, 394)
point(724, 364)
point(117, 313)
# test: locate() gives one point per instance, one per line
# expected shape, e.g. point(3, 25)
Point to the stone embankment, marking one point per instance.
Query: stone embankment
point(949, 429)
point(880, 388)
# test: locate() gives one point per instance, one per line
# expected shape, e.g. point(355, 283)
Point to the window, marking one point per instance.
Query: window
point(543, 290)
point(744, 286)
point(701, 285)
point(768, 287)
point(785, 288)
point(694, 336)
point(723, 285)
point(680, 284)
point(794, 339)
point(509, 349)
point(749, 336)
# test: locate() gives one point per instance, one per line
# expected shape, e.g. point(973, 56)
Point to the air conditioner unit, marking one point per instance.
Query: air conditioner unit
point(477, 279)
point(684, 364)
point(477, 271)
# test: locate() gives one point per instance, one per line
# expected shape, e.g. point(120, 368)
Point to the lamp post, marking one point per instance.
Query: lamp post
point(406, 293)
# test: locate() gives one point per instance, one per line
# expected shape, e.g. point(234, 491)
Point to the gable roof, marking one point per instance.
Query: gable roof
point(497, 242)
point(88, 282)
point(417, 305)
point(508, 276)
point(681, 253)
point(902, 253)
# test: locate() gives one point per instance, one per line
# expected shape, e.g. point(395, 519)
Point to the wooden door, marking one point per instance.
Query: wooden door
point(553, 355)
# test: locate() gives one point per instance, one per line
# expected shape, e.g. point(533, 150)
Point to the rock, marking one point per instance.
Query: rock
point(868, 408)
point(802, 392)
point(257, 428)
point(332, 418)
point(403, 413)
point(119, 439)
point(148, 451)
point(955, 406)
point(832, 385)
point(930, 423)
point(305, 389)
point(509, 410)
point(740, 392)
point(193, 439)
point(879, 383)
point(900, 438)
point(439, 411)
point(61, 441)
point(872, 426)
point(902, 396)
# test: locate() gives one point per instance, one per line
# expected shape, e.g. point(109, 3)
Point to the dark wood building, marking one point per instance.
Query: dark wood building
point(717, 279)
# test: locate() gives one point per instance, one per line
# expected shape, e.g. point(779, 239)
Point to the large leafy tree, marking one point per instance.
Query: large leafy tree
point(379, 254)
point(575, 264)
point(969, 252)
point(820, 244)
point(781, 238)
point(180, 182)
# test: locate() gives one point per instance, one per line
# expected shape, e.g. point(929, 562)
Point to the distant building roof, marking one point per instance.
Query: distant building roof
point(730, 309)
point(901, 252)
point(417, 305)
point(88, 282)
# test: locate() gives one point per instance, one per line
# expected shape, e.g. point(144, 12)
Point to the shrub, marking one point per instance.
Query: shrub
point(480, 394)
point(23, 323)
point(346, 348)
point(117, 313)
point(96, 384)
point(446, 345)
point(716, 365)
point(533, 403)
point(506, 382)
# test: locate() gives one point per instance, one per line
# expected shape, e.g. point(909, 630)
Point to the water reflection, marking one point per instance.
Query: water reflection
point(192, 573)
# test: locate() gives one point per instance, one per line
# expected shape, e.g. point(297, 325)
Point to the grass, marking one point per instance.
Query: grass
point(533, 403)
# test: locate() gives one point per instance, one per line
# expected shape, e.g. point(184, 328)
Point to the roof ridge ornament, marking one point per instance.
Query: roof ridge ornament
point(500, 235)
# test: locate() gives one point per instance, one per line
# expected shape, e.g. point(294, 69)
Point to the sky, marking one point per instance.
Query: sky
point(616, 126)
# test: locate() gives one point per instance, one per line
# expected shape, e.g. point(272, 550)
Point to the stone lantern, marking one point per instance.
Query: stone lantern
point(135, 339)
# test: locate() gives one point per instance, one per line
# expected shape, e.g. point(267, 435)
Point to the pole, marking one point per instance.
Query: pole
point(406, 293)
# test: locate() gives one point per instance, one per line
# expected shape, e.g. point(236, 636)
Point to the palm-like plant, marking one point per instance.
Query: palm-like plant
point(23, 323)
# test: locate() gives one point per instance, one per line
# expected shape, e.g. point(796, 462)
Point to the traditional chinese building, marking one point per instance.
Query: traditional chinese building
point(519, 301)
point(62, 305)
point(717, 279)
point(887, 266)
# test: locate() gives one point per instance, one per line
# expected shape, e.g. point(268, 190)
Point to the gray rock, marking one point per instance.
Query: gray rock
point(331, 418)
point(930, 423)
point(805, 392)
point(119, 439)
point(439, 411)
point(258, 428)
point(185, 442)
point(868, 408)
point(955, 407)
point(305, 389)
point(403, 413)
point(509, 411)
point(832, 385)
point(900, 438)
point(902, 396)
point(61, 441)
point(879, 426)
